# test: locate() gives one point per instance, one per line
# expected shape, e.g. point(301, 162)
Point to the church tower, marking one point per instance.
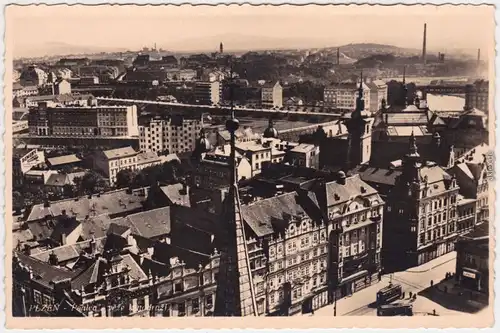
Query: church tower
point(359, 125)
point(235, 294)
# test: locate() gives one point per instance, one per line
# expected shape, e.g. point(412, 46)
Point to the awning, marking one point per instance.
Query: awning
point(354, 276)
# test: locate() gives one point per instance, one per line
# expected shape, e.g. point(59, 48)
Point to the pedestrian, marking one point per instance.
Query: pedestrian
point(432, 283)
point(434, 312)
point(312, 312)
point(411, 294)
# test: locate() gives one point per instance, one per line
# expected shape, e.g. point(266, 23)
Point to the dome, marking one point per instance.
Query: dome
point(270, 131)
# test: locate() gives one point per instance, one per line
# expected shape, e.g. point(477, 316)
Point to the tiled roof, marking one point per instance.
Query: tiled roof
point(147, 157)
point(71, 251)
point(135, 271)
point(45, 273)
point(405, 118)
point(303, 148)
point(152, 223)
point(377, 175)
point(119, 152)
point(266, 216)
point(114, 202)
point(66, 159)
point(57, 179)
point(337, 193)
point(177, 194)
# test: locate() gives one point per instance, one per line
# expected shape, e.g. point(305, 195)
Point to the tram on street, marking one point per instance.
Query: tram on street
point(389, 294)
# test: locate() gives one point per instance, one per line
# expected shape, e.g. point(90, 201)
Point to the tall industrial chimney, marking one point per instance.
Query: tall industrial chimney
point(478, 56)
point(338, 55)
point(424, 47)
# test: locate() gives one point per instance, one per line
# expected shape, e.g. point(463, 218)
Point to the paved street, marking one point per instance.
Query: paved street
point(412, 280)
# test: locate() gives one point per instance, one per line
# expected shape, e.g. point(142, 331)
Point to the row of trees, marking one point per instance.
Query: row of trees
point(167, 173)
point(92, 182)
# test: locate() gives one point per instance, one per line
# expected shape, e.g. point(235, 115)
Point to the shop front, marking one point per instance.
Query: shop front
point(471, 279)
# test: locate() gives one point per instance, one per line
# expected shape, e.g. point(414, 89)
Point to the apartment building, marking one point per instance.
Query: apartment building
point(477, 95)
point(272, 95)
point(421, 217)
point(343, 96)
point(175, 134)
point(83, 121)
point(378, 93)
point(207, 93)
point(111, 162)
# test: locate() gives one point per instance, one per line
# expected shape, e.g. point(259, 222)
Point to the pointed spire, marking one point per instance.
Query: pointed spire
point(235, 289)
point(360, 102)
point(413, 145)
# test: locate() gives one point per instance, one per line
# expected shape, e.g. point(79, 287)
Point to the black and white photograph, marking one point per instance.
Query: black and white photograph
point(318, 163)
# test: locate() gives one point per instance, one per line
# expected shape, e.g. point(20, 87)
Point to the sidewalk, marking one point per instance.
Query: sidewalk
point(433, 263)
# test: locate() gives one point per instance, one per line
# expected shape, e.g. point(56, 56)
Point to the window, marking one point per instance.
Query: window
point(195, 303)
point(209, 300)
point(37, 297)
point(181, 308)
point(141, 304)
point(178, 287)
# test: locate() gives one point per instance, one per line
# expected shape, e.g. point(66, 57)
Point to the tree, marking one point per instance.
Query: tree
point(17, 201)
point(124, 178)
point(91, 182)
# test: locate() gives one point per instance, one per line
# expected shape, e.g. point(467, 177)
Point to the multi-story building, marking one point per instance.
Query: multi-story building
point(421, 217)
point(477, 95)
point(472, 268)
point(207, 93)
point(316, 249)
point(378, 93)
point(83, 121)
point(213, 169)
point(174, 134)
point(19, 91)
point(304, 155)
point(343, 96)
point(472, 172)
point(111, 162)
point(61, 87)
point(33, 76)
point(272, 95)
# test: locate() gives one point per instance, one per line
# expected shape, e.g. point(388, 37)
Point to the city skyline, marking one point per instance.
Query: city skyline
point(36, 35)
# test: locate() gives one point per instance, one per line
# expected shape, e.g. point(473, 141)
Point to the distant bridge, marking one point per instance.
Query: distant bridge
point(223, 110)
point(442, 89)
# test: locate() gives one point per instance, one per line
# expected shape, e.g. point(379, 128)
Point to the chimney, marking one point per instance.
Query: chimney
point(338, 55)
point(478, 56)
point(53, 260)
point(424, 46)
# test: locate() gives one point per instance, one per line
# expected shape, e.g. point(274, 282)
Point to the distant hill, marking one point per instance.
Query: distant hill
point(364, 50)
point(60, 49)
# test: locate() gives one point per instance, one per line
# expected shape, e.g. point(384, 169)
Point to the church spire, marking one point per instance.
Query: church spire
point(413, 151)
point(405, 89)
point(235, 294)
point(360, 101)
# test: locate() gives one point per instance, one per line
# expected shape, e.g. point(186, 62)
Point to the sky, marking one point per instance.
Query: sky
point(37, 30)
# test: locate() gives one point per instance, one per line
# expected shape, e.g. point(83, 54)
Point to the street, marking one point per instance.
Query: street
point(413, 280)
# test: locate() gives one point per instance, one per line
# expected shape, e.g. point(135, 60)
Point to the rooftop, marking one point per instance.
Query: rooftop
point(119, 153)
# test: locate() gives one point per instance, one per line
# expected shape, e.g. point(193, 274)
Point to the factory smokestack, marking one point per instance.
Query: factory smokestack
point(424, 46)
point(478, 56)
point(338, 55)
